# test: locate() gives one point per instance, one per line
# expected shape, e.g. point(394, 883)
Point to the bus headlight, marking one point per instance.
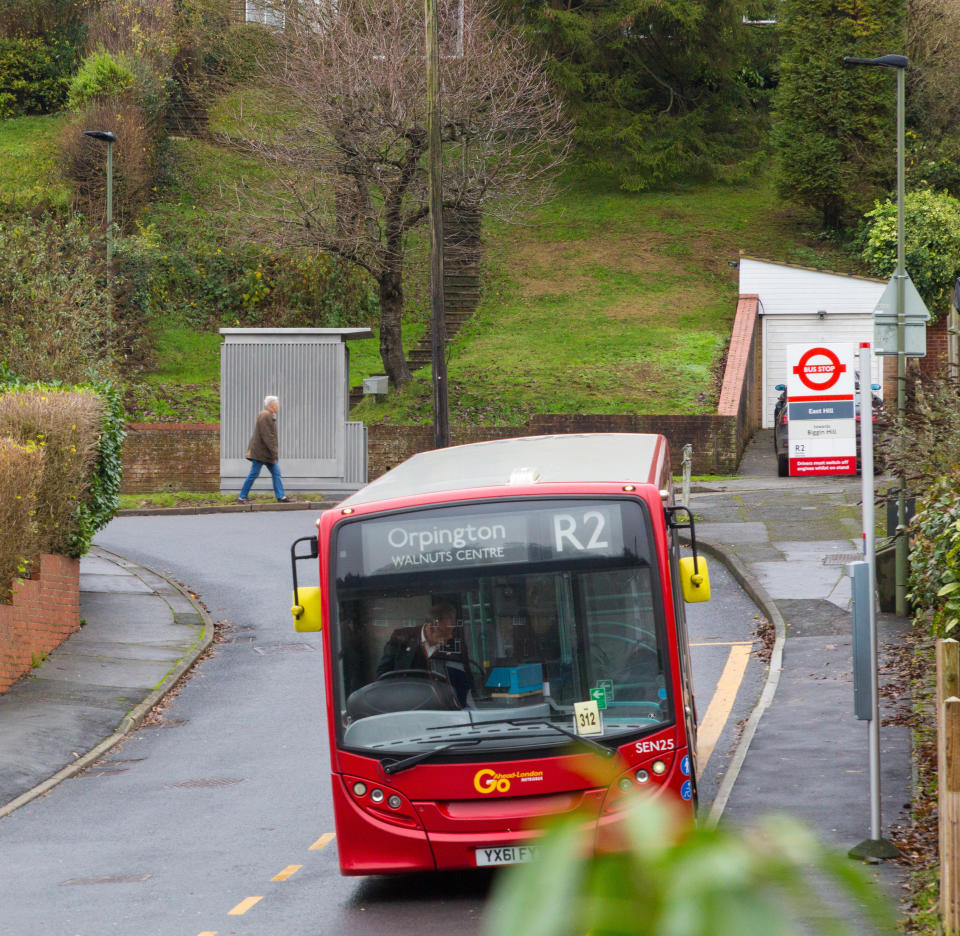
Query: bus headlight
point(658, 767)
point(641, 776)
point(394, 802)
point(377, 796)
point(359, 788)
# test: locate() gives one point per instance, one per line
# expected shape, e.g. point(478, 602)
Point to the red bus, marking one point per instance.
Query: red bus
point(504, 641)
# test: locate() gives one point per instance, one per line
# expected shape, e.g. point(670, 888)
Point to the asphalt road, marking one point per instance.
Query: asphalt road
point(218, 819)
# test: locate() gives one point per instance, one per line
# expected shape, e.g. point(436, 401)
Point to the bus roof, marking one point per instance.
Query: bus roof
point(587, 458)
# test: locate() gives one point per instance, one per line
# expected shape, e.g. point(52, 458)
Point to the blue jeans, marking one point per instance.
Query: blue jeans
point(255, 467)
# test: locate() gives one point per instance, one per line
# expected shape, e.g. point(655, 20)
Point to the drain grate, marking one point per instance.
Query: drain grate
point(285, 648)
point(205, 783)
point(111, 879)
point(842, 558)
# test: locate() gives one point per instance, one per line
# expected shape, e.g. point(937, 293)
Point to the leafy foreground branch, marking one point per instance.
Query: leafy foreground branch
point(673, 878)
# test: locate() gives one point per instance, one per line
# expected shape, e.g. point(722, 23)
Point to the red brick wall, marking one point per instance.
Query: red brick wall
point(741, 393)
point(714, 437)
point(45, 612)
point(171, 457)
point(935, 363)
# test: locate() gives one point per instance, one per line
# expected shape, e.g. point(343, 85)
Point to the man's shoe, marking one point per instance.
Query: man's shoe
point(283, 500)
point(243, 500)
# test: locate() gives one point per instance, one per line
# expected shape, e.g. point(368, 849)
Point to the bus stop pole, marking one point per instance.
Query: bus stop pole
point(875, 847)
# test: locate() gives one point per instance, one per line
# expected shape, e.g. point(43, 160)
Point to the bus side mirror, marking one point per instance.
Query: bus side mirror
point(307, 609)
point(695, 578)
point(307, 605)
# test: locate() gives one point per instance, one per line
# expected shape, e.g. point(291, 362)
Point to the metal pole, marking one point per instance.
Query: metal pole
point(875, 847)
point(109, 201)
point(900, 577)
point(438, 330)
point(869, 554)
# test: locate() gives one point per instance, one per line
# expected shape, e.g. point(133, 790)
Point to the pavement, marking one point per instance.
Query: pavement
point(139, 633)
point(786, 540)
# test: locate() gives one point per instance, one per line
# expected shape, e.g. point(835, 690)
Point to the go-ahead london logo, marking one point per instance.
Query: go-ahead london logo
point(490, 781)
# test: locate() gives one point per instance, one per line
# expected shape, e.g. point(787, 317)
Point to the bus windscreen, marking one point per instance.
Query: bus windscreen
point(481, 625)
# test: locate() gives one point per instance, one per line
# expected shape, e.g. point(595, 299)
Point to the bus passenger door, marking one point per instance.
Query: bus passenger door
point(683, 645)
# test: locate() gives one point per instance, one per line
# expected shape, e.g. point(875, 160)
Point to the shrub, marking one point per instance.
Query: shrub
point(935, 555)
point(924, 445)
point(932, 244)
point(101, 75)
point(21, 467)
point(246, 284)
point(34, 75)
point(55, 304)
point(33, 19)
point(65, 425)
point(137, 158)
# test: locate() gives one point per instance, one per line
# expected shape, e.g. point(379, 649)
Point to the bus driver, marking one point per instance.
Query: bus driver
point(425, 647)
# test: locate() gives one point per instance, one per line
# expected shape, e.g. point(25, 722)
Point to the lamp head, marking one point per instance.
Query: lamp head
point(884, 61)
point(101, 135)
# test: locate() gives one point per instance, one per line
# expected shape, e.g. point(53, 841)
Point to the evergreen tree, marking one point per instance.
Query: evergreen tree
point(835, 125)
point(660, 89)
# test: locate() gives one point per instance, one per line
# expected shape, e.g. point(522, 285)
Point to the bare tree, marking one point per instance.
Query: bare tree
point(346, 133)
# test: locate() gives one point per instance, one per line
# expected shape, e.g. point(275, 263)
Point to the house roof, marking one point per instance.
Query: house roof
point(786, 288)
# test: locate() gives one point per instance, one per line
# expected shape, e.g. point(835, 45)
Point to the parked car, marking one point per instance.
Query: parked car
point(781, 420)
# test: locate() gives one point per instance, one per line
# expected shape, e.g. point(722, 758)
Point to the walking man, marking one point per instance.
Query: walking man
point(264, 450)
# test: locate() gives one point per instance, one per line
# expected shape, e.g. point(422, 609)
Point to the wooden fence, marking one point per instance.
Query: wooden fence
point(948, 781)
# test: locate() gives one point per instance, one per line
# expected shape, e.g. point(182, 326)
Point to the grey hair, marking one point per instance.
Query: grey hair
point(270, 400)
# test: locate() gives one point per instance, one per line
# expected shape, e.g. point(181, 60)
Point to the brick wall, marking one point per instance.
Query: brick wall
point(45, 611)
point(741, 395)
point(171, 457)
point(716, 448)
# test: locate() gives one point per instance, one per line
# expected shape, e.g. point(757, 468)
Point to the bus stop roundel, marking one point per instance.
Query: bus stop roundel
point(831, 370)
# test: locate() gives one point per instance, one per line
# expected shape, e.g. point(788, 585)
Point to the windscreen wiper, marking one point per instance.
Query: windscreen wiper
point(537, 720)
point(414, 759)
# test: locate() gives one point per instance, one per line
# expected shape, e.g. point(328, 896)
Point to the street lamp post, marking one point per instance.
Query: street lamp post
point(898, 62)
point(110, 139)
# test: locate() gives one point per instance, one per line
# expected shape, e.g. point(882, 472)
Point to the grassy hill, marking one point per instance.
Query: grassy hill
point(602, 301)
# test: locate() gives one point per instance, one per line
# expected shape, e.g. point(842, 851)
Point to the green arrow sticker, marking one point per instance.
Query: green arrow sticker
point(599, 695)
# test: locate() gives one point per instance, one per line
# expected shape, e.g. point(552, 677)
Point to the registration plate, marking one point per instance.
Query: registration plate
point(506, 855)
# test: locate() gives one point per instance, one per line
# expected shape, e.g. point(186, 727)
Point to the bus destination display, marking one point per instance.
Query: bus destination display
point(443, 540)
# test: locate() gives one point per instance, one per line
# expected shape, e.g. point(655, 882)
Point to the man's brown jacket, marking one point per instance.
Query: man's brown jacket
point(263, 445)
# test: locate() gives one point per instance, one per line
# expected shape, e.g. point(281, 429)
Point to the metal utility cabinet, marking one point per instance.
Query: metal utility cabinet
point(308, 369)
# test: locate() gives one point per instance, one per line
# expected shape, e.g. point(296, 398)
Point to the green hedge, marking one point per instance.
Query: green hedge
point(34, 75)
point(100, 498)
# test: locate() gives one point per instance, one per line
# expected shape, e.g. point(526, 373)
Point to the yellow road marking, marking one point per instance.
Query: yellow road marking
point(724, 643)
point(718, 711)
point(241, 908)
point(208, 933)
point(288, 871)
point(323, 841)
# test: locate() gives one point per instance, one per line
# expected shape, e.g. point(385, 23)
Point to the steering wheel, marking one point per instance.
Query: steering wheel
point(429, 674)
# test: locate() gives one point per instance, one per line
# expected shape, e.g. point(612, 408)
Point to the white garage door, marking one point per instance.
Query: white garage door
point(782, 330)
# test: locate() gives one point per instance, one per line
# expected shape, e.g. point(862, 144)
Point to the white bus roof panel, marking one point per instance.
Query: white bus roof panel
point(586, 458)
